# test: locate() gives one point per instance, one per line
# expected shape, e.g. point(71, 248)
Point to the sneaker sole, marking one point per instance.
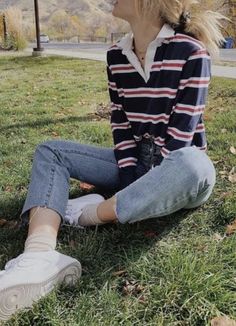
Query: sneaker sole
point(24, 295)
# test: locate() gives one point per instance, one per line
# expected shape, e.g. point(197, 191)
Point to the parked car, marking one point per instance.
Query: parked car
point(44, 38)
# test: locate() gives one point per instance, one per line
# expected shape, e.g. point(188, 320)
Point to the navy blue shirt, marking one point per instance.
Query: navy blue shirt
point(167, 107)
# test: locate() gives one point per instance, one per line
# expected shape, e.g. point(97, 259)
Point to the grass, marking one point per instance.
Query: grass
point(176, 270)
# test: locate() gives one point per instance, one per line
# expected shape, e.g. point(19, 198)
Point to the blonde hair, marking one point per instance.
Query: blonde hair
point(189, 16)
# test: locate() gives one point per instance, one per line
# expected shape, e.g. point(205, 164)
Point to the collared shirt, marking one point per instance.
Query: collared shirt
point(164, 101)
point(127, 49)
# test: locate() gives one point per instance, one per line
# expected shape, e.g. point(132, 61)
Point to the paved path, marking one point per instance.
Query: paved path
point(100, 55)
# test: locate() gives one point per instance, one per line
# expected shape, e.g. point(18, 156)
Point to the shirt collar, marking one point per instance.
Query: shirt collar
point(126, 43)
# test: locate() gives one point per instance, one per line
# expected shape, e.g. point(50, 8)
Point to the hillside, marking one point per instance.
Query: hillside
point(82, 8)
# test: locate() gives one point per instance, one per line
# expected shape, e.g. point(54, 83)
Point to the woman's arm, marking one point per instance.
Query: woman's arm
point(186, 116)
point(125, 145)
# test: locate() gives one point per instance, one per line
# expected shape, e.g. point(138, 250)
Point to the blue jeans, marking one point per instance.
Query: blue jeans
point(183, 180)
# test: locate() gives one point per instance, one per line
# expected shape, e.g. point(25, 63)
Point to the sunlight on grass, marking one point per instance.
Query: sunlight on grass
point(177, 270)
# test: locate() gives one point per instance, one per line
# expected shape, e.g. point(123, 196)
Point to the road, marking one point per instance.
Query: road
point(97, 51)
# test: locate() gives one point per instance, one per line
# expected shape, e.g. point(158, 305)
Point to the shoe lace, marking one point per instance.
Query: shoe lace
point(69, 218)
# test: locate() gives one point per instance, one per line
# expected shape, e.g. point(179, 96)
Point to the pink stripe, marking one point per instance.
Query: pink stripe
point(149, 92)
point(168, 65)
point(124, 145)
point(122, 68)
point(177, 134)
point(127, 164)
point(195, 82)
point(191, 110)
point(148, 118)
point(185, 37)
point(165, 151)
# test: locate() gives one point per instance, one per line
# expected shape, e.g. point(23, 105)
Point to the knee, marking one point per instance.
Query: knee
point(46, 150)
point(196, 166)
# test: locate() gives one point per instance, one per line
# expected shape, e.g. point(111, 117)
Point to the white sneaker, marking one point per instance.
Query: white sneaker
point(75, 207)
point(31, 276)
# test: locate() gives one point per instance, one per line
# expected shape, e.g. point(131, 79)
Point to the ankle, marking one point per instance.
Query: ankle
point(106, 211)
point(40, 242)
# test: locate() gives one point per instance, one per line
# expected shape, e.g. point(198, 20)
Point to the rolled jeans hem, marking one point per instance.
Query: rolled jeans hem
point(24, 217)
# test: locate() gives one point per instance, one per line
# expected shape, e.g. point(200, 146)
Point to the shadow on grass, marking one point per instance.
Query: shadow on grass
point(108, 249)
point(99, 249)
point(41, 123)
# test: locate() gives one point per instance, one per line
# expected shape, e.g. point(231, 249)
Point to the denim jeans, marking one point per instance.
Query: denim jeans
point(183, 180)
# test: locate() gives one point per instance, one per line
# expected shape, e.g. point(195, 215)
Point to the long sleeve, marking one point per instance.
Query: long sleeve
point(125, 146)
point(186, 117)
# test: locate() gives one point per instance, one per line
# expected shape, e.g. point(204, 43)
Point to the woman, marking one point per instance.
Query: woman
point(158, 80)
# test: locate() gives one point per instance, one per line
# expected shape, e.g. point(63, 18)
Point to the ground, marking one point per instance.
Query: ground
point(177, 270)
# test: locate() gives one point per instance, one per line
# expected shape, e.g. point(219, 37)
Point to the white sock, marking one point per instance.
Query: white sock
point(40, 242)
point(89, 216)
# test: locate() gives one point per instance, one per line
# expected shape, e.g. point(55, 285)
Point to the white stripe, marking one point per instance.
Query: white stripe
point(190, 82)
point(169, 62)
point(125, 145)
point(200, 128)
point(155, 92)
point(183, 40)
point(196, 109)
point(123, 148)
point(165, 152)
point(171, 131)
point(124, 125)
point(120, 69)
point(164, 118)
point(112, 86)
point(199, 56)
point(124, 165)
point(124, 160)
point(115, 107)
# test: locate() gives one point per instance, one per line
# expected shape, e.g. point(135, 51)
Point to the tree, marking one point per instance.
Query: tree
point(15, 35)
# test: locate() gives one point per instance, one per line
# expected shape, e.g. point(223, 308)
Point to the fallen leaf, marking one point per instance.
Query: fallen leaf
point(142, 299)
point(119, 273)
point(233, 150)
point(232, 178)
point(12, 224)
point(223, 321)
point(217, 162)
point(223, 172)
point(9, 224)
point(150, 234)
point(72, 244)
point(132, 287)
point(231, 228)
point(3, 222)
point(226, 194)
point(86, 186)
point(55, 134)
point(8, 189)
point(232, 175)
point(218, 237)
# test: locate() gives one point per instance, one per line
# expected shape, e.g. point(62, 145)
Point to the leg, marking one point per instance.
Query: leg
point(35, 273)
point(184, 180)
point(56, 161)
point(106, 210)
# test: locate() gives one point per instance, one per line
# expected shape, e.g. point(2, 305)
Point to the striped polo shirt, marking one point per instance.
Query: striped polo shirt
point(164, 101)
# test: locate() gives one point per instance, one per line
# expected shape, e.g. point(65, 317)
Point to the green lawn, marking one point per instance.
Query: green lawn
point(177, 270)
